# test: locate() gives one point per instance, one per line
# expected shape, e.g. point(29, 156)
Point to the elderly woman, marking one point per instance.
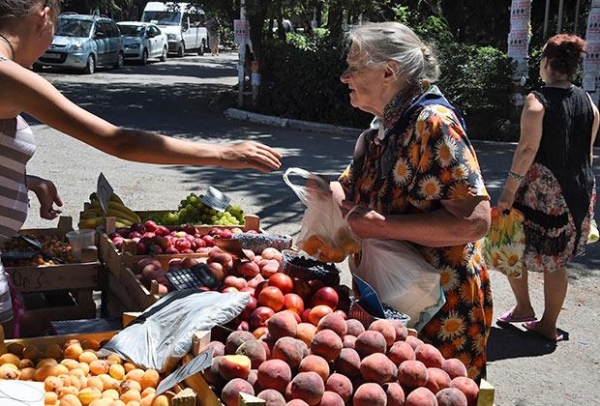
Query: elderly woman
point(415, 178)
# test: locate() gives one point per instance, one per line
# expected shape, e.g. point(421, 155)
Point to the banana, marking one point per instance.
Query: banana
point(125, 211)
point(92, 222)
point(115, 198)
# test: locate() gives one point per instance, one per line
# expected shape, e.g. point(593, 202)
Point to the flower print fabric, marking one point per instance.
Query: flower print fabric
point(434, 161)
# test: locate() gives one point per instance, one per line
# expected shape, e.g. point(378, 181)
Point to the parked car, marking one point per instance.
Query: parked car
point(143, 41)
point(84, 42)
point(182, 22)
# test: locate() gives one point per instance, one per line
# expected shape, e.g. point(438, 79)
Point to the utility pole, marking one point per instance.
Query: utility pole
point(241, 38)
point(546, 18)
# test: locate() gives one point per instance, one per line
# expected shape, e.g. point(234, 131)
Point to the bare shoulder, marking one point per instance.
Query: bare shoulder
point(533, 105)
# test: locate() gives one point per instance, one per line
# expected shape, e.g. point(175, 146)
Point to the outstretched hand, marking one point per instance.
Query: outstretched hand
point(251, 154)
point(47, 195)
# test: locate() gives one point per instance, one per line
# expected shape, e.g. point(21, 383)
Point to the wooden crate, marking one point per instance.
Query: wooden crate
point(114, 259)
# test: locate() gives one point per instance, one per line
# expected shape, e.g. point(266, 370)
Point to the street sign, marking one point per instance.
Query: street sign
point(241, 31)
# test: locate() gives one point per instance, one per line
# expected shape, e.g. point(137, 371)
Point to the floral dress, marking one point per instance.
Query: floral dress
point(409, 167)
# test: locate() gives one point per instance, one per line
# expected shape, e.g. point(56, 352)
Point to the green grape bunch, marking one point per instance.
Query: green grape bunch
point(192, 210)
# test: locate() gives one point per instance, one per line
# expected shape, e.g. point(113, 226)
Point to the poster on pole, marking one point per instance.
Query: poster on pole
point(593, 27)
point(241, 31)
point(519, 14)
point(591, 61)
point(518, 44)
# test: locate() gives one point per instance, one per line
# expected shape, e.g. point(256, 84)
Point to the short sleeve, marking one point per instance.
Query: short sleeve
point(444, 162)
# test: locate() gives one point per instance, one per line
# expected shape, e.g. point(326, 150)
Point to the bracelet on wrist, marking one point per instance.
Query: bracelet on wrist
point(516, 176)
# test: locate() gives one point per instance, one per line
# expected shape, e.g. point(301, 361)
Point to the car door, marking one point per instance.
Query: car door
point(102, 42)
point(188, 32)
point(155, 49)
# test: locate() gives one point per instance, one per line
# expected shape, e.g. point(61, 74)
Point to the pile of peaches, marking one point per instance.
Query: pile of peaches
point(336, 362)
point(74, 375)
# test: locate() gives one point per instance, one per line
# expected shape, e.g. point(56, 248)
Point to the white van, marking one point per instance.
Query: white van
point(183, 24)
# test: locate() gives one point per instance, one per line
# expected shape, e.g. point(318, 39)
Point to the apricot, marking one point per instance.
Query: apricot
point(46, 362)
point(9, 372)
point(254, 350)
point(401, 351)
point(335, 322)
point(88, 395)
point(348, 363)
point(369, 394)
point(235, 339)
point(134, 374)
point(395, 394)
point(25, 363)
point(331, 399)
point(87, 356)
point(132, 395)
point(412, 374)
point(468, 387)
point(99, 366)
point(377, 368)
point(129, 384)
point(70, 400)
point(101, 402)
point(149, 379)
point(53, 351)
point(44, 372)
point(50, 398)
point(68, 390)
point(9, 358)
point(290, 350)
point(354, 327)
point(386, 328)
point(117, 371)
point(437, 379)
point(307, 386)
point(70, 363)
point(454, 367)
point(274, 374)
point(370, 342)
point(327, 344)
point(340, 384)
point(429, 355)
point(73, 351)
point(282, 324)
point(306, 332)
point(160, 400)
point(90, 344)
point(53, 383)
point(316, 364)
point(451, 397)
point(110, 394)
point(232, 389)
point(271, 397)
point(27, 374)
point(234, 366)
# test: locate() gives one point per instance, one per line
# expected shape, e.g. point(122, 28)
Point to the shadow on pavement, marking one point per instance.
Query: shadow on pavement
point(509, 341)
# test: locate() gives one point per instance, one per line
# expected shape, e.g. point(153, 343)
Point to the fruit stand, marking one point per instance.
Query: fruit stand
point(301, 338)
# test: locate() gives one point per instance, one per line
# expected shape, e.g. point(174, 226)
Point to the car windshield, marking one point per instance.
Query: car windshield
point(162, 17)
point(69, 27)
point(131, 30)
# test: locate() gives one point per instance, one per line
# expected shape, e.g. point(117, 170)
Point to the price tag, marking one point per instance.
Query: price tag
point(215, 199)
point(104, 191)
point(197, 364)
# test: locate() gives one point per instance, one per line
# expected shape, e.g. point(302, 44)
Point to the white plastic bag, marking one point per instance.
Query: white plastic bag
point(325, 234)
point(402, 278)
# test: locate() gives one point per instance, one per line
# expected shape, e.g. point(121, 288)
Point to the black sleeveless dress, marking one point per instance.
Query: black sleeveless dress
point(558, 194)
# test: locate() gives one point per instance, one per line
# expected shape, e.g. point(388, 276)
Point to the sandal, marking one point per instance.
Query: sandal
point(509, 318)
point(532, 326)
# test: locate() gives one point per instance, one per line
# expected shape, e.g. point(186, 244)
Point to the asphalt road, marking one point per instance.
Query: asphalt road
point(184, 98)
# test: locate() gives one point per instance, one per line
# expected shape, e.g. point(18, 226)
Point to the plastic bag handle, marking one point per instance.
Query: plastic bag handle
point(300, 191)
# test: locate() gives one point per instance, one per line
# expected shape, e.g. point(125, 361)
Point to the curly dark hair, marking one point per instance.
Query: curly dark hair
point(564, 52)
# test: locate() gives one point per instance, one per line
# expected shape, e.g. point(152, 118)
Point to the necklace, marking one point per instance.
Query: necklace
point(12, 49)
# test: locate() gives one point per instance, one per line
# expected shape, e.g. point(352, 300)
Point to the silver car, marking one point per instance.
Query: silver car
point(84, 42)
point(143, 41)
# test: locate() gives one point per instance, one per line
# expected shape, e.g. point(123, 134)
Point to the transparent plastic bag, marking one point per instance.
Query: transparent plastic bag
point(504, 243)
point(402, 278)
point(325, 234)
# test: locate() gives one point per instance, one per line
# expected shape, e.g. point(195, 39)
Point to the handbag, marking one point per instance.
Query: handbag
point(504, 243)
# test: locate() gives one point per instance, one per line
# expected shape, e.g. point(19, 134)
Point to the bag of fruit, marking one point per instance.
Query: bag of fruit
point(325, 234)
point(504, 243)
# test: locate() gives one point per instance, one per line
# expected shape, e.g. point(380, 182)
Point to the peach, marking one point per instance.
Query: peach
point(377, 368)
point(272, 397)
point(386, 328)
point(232, 389)
point(217, 346)
point(290, 350)
point(468, 387)
point(327, 344)
point(316, 364)
point(234, 366)
point(307, 386)
point(306, 332)
point(331, 399)
point(429, 355)
point(255, 350)
point(412, 374)
point(451, 397)
point(335, 322)
point(413, 341)
point(437, 379)
point(401, 330)
point(395, 394)
point(274, 374)
point(354, 327)
point(370, 342)
point(400, 352)
point(349, 341)
point(369, 394)
point(235, 339)
point(348, 363)
point(340, 384)
point(421, 397)
point(282, 324)
point(296, 402)
point(316, 313)
point(454, 367)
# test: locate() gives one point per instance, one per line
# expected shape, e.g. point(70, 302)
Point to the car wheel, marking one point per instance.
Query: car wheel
point(201, 49)
point(181, 49)
point(165, 52)
point(90, 66)
point(37, 67)
point(120, 61)
point(144, 56)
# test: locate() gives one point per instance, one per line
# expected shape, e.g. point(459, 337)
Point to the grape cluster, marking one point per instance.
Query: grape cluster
point(391, 313)
point(193, 211)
